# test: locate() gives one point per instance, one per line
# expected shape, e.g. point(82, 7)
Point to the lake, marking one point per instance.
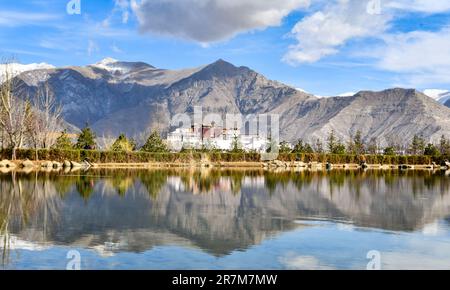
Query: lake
point(225, 219)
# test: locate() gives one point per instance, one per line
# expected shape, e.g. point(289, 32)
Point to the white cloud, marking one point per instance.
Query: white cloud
point(327, 30)
point(416, 51)
point(292, 262)
point(422, 57)
point(207, 21)
point(419, 254)
point(14, 18)
point(427, 6)
point(92, 47)
point(324, 32)
point(125, 17)
point(121, 7)
point(116, 49)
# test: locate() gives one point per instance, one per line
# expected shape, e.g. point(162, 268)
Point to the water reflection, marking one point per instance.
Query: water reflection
point(216, 211)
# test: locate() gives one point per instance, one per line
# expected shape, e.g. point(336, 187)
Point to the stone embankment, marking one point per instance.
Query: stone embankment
point(277, 164)
point(28, 165)
point(46, 165)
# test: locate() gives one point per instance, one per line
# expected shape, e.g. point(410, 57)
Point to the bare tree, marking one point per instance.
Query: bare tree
point(141, 138)
point(45, 122)
point(14, 112)
point(21, 199)
point(2, 138)
point(105, 142)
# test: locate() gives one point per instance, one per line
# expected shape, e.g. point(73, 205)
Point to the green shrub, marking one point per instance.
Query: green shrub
point(214, 156)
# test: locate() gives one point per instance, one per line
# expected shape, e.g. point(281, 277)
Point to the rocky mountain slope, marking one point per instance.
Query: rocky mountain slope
point(394, 115)
point(132, 97)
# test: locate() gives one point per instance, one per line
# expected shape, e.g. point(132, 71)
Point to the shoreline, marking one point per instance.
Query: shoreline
point(28, 165)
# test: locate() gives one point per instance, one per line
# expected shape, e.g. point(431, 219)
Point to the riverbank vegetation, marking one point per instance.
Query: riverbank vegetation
point(95, 156)
point(125, 150)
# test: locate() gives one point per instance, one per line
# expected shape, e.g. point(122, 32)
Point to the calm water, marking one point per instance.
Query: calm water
point(225, 219)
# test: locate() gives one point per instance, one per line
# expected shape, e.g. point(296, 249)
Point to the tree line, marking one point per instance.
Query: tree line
point(357, 146)
point(86, 140)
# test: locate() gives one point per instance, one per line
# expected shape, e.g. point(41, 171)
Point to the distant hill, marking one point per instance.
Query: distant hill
point(131, 97)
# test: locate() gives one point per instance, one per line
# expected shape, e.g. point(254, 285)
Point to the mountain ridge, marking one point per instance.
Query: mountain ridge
point(132, 97)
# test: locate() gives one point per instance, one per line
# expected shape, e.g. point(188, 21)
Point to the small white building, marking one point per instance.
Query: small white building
point(209, 136)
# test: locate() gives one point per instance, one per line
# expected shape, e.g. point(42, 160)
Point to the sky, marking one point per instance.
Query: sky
point(324, 47)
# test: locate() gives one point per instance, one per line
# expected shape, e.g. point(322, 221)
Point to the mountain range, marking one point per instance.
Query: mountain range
point(117, 97)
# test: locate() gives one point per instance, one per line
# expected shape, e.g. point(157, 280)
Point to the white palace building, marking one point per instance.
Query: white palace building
point(210, 136)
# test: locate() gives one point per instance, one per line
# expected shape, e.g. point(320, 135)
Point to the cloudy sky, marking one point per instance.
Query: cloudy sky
point(324, 47)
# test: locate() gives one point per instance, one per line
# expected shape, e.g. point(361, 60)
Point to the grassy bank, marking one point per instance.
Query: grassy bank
point(143, 157)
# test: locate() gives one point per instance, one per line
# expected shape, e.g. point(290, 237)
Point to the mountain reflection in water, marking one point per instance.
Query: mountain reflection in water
point(216, 211)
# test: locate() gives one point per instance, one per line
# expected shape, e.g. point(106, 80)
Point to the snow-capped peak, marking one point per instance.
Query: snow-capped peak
point(15, 69)
point(441, 96)
point(113, 66)
point(107, 61)
point(118, 67)
point(108, 64)
point(347, 94)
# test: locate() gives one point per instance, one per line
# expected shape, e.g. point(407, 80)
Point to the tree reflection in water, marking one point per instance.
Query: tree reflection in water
point(25, 198)
point(220, 210)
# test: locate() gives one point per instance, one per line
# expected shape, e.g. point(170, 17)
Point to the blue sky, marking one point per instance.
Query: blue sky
point(324, 47)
